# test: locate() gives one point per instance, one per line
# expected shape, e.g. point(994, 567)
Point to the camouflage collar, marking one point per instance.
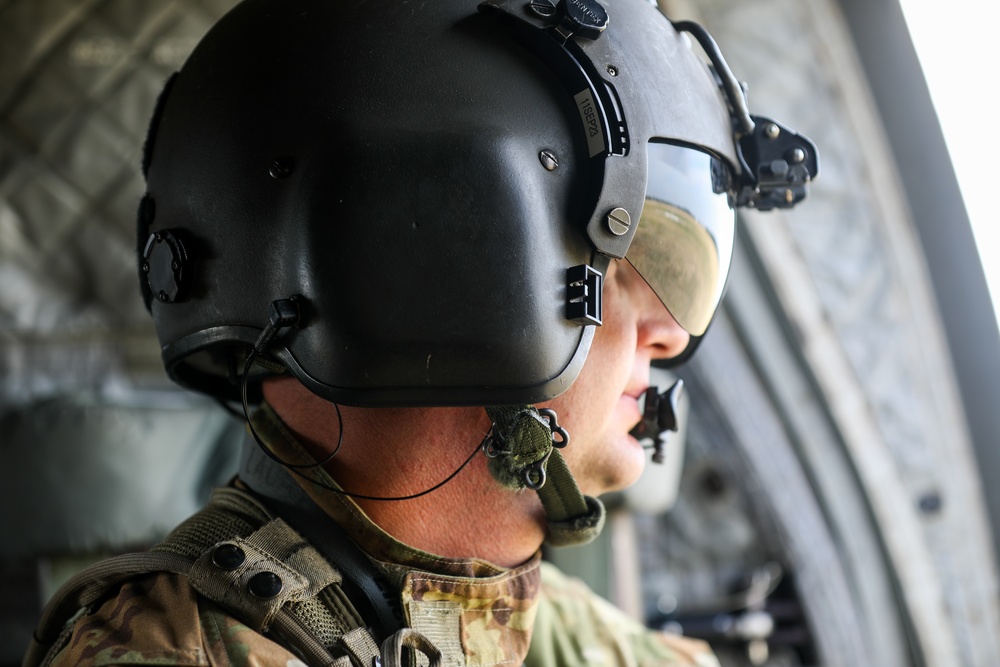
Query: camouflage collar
point(467, 607)
point(377, 543)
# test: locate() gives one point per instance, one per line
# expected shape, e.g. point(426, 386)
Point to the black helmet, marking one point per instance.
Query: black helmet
point(424, 196)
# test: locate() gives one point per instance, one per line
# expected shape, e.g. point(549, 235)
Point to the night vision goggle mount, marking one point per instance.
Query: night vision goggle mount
point(775, 162)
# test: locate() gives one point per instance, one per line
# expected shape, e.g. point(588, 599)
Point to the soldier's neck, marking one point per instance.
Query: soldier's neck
point(393, 452)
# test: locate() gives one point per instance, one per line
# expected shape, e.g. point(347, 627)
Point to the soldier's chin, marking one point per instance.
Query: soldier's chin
point(622, 470)
point(636, 467)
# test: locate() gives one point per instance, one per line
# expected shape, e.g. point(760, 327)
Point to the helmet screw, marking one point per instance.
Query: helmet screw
point(771, 131)
point(612, 70)
point(542, 8)
point(548, 159)
point(145, 267)
point(619, 221)
point(796, 155)
point(279, 169)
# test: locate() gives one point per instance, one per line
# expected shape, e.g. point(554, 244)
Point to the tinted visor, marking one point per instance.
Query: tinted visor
point(684, 242)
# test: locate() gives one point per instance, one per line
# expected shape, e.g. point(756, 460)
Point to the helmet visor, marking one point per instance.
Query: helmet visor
point(684, 241)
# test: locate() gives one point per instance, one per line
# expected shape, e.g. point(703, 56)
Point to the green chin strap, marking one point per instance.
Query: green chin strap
point(523, 452)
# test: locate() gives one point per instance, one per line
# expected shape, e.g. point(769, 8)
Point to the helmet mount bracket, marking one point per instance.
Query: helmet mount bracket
point(775, 162)
point(596, 98)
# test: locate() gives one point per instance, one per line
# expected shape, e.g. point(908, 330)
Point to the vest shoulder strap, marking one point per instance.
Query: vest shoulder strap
point(250, 563)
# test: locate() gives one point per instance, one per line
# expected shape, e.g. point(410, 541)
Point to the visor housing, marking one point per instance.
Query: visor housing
point(683, 244)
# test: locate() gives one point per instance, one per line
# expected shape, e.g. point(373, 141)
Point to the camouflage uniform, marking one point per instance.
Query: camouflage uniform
point(474, 612)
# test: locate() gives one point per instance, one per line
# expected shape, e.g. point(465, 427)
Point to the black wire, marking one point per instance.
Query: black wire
point(362, 496)
point(274, 457)
point(297, 468)
point(730, 84)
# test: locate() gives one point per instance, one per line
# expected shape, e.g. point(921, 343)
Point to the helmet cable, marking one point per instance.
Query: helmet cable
point(730, 85)
point(572, 517)
point(285, 313)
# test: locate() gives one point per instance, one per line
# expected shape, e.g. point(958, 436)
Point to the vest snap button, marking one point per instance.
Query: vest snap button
point(228, 557)
point(265, 585)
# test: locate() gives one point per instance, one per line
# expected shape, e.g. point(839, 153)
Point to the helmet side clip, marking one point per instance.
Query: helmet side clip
point(583, 294)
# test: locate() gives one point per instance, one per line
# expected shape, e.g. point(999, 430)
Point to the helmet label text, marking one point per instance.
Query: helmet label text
point(591, 122)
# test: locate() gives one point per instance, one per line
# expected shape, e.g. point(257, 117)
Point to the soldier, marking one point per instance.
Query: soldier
point(363, 225)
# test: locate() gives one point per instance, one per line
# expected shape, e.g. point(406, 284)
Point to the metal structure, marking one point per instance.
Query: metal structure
point(842, 405)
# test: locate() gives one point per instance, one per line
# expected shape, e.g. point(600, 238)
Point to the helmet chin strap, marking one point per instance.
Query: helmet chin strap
point(523, 451)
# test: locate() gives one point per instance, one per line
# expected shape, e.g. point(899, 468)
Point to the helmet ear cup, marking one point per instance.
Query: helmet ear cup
point(145, 216)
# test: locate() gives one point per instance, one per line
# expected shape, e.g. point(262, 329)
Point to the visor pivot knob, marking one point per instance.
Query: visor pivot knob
point(542, 8)
point(619, 221)
point(771, 131)
point(586, 18)
point(548, 160)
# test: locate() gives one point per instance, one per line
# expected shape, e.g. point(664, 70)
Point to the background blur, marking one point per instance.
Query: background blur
point(835, 503)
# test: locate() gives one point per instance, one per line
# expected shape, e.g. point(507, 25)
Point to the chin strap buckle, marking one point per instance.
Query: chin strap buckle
point(534, 474)
point(523, 452)
point(520, 443)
